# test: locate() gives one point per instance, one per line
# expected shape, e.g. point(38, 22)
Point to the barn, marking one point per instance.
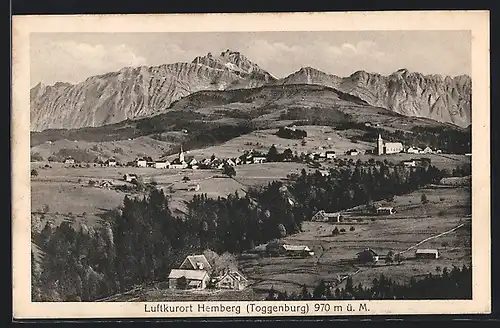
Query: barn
point(427, 254)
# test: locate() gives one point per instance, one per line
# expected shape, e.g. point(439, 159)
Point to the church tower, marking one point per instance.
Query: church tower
point(181, 155)
point(380, 145)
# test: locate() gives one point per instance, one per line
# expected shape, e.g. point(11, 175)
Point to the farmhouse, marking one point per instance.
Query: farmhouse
point(195, 262)
point(141, 162)
point(322, 216)
point(231, 280)
point(352, 152)
point(297, 250)
point(367, 255)
point(413, 150)
point(162, 164)
point(130, 177)
point(188, 279)
point(384, 210)
point(384, 148)
point(258, 159)
point(106, 184)
point(427, 150)
point(330, 154)
point(69, 160)
point(427, 253)
point(111, 162)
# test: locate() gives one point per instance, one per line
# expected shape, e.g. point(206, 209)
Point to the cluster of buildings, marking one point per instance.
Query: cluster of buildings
point(368, 255)
point(288, 250)
point(385, 148)
point(195, 272)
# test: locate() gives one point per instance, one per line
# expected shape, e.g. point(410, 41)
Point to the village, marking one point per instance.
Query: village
point(196, 273)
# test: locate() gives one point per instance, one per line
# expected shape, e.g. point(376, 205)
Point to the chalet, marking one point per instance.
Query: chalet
point(188, 279)
point(324, 173)
point(427, 253)
point(231, 279)
point(438, 151)
point(162, 164)
point(196, 262)
point(194, 187)
point(297, 250)
point(111, 162)
point(352, 152)
point(69, 160)
point(385, 210)
point(191, 162)
point(206, 162)
point(427, 150)
point(367, 255)
point(330, 154)
point(141, 162)
point(130, 177)
point(237, 161)
point(409, 163)
point(258, 159)
point(322, 216)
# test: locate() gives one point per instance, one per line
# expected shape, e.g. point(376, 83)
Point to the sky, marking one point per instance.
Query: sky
point(73, 57)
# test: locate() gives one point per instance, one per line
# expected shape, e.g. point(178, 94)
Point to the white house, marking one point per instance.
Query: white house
point(427, 150)
point(230, 162)
point(188, 279)
point(330, 154)
point(194, 187)
point(231, 279)
point(352, 152)
point(111, 162)
point(141, 162)
point(385, 210)
point(69, 160)
point(162, 164)
point(298, 250)
point(258, 159)
point(427, 253)
point(130, 177)
point(322, 216)
point(413, 150)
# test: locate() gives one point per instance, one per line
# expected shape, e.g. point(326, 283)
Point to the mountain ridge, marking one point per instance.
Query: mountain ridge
point(134, 92)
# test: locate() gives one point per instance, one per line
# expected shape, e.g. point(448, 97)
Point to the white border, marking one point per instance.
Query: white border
point(475, 21)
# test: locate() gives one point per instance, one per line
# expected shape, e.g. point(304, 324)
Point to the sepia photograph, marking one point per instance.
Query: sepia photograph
point(197, 169)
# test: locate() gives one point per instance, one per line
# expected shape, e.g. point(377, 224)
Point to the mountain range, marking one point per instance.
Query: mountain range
point(135, 92)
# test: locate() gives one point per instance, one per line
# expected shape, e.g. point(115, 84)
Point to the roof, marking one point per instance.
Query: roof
point(235, 275)
point(385, 208)
point(189, 274)
point(394, 144)
point(367, 250)
point(296, 248)
point(194, 259)
point(426, 250)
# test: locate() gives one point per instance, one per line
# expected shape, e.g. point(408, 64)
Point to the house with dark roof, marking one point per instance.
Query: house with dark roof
point(188, 279)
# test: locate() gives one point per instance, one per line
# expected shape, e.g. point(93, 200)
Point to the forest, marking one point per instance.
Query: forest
point(141, 241)
point(445, 284)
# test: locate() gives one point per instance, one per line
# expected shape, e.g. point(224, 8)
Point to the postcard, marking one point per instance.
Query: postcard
point(251, 165)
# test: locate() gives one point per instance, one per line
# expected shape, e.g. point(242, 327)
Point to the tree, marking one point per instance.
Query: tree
point(229, 171)
point(282, 230)
point(352, 229)
point(34, 173)
point(186, 178)
point(272, 154)
point(335, 231)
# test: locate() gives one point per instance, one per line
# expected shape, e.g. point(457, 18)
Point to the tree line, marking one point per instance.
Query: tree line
point(446, 284)
point(142, 240)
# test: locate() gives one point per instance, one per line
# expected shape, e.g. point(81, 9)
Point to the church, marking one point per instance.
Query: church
point(179, 162)
point(384, 148)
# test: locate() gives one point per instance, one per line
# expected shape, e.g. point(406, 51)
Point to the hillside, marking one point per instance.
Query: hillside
point(137, 91)
point(444, 99)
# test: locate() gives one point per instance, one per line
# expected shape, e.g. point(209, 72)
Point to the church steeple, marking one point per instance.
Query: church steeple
point(380, 145)
point(181, 155)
